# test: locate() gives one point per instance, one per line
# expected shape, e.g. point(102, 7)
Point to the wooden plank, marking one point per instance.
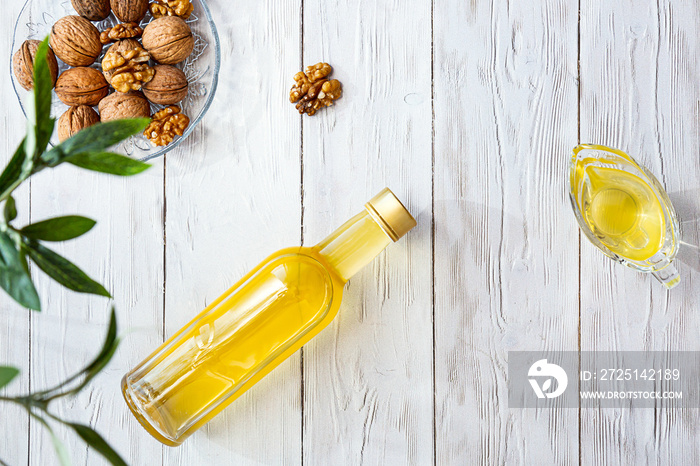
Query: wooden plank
point(368, 377)
point(233, 197)
point(14, 320)
point(640, 93)
point(506, 266)
point(125, 253)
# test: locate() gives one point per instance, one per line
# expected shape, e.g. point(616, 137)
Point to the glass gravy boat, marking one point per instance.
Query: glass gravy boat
point(624, 211)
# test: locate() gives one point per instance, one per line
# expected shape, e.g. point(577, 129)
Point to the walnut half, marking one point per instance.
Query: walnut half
point(165, 125)
point(125, 66)
point(181, 8)
point(313, 90)
point(120, 31)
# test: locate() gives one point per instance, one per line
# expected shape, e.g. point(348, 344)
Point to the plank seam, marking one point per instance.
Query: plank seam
point(301, 222)
point(29, 367)
point(578, 137)
point(432, 217)
point(165, 216)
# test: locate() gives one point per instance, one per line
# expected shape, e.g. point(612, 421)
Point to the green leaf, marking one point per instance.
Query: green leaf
point(61, 450)
point(40, 121)
point(14, 278)
point(63, 271)
point(95, 138)
point(59, 228)
point(108, 162)
point(7, 373)
point(13, 170)
point(10, 209)
point(96, 441)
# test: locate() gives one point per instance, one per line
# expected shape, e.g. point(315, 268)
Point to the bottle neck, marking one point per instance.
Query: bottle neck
point(353, 245)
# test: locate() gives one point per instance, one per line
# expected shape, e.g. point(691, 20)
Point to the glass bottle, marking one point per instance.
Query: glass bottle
point(255, 325)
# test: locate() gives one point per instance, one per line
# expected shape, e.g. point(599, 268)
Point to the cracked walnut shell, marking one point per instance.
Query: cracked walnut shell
point(169, 40)
point(94, 10)
point(23, 64)
point(120, 31)
point(75, 119)
point(169, 85)
point(81, 86)
point(165, 125)
point(76, 41)
point(125, 66)
point(313, 90)
point(129, 11)
point(119, 105)
point(181, 8)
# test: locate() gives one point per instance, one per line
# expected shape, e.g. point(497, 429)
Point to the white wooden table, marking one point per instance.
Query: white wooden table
point(468, 111)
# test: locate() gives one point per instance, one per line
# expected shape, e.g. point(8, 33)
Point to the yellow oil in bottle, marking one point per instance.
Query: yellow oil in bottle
point(254, 326)
point(236, 338)
point(623, 212)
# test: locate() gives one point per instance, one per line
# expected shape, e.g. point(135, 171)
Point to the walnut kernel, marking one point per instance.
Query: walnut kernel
point(181, 8)
point(120, 31)
point(313, 90)
point(125, 66)
point(165, 124)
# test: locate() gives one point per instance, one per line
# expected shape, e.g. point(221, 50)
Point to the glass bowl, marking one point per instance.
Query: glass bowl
point(201, 67)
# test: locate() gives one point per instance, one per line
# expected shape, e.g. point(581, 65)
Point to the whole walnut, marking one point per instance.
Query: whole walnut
point(81, 86)
point(129, 11)
point(169, 40)
point(23, 64)
point(124, 105)
point(168, 86)
point(76, 41)
point(75, 119)
point(94, 10)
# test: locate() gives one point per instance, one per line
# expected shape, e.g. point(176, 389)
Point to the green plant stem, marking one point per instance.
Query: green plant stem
point(12, 187)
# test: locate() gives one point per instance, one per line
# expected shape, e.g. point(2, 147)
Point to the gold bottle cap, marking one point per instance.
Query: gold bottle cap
point(386, 209)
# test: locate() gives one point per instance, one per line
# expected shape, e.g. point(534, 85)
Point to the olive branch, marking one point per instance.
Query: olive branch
point(88, 149)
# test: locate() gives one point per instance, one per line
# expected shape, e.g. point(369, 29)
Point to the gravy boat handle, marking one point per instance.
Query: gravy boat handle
point(668, 276)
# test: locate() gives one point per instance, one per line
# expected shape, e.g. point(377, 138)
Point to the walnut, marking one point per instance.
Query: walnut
point(168, 86)
point(169, 40)
point(129, 11)
point(94, 10)
point(181, 8)
point(120, 31)
point(125, 66)
point(165, 124)
point(124, 105)
point(75, 119)
point(81, 86)
point(23, 64)
point(76, 41)
point(313, 91)
point(318, 71)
